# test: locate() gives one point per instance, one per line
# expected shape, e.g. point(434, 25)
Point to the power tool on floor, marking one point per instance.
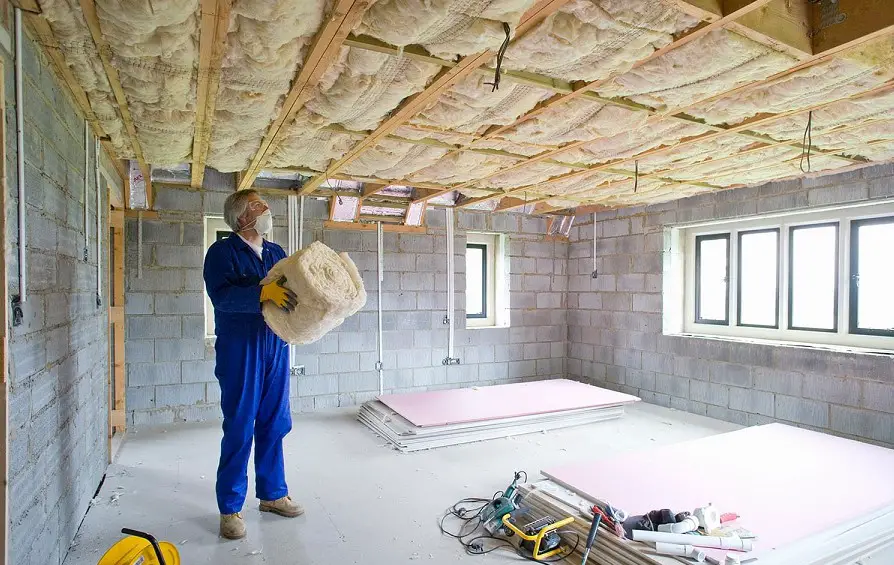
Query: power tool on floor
point(492, 514)
point(140, 548)
point(539, 535)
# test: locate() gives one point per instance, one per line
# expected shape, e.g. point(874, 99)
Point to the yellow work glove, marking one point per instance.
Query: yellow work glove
point(275, 292)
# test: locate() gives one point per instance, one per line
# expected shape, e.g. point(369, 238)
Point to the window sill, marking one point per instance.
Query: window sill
point(495, 327)
point(794, 344)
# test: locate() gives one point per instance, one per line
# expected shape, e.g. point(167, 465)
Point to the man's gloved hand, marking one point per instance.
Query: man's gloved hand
point(275, 292)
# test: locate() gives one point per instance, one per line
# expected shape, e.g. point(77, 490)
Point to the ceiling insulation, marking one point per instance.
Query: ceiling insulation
point(578, 120)
point(589, 39)
point(266, 44)
point(445, 28)
point(682, 76)
point(837, 78)
point(595, 93)
point(73, 38)
point(473, 103)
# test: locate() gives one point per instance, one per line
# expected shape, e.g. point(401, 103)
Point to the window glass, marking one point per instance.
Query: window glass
point(814, 272)
point(759, 278)
point(712, 278)
point(476, 281)
point(873, 249)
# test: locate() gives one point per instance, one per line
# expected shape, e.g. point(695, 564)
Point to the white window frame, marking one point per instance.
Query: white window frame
point(679, 279)
point(213, 224)
point(497, 283)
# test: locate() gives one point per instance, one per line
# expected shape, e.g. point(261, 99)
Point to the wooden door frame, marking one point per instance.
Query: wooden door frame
point(117, 419)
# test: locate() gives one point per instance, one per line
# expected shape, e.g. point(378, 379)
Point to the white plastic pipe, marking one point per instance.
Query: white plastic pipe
point(699, 541)
point(98, 222)
point(450, 281)
point(86, 190)
point(293, 246)
point(680, 551)
point(380, 258)
point(301, 222)
point(594, 246)
point(689, 524)
point(20, 156)
point(140, 244)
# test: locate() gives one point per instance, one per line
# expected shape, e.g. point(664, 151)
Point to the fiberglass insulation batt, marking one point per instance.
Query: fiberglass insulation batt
point(329, 289)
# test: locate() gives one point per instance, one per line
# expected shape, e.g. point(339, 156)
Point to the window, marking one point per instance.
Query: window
point(816, 277)
point(872, 273)
point(487, 287)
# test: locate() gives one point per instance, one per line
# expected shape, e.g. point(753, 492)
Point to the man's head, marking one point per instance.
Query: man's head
point(242, 209)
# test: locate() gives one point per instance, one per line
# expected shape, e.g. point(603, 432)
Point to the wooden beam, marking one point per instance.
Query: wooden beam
point(447, 78)
point(783, 25)
point(370, 226)
point(838, 25)
point(145, 214)
point(4, 342)
point(88, 7)
point(215, 24)
point(705, 10)
point(324, 49)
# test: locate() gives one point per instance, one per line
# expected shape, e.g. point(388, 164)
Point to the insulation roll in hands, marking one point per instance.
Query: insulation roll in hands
point(328, 287)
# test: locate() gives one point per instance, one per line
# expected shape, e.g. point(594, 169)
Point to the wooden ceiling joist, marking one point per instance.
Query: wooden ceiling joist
point(847, 21)
point(447, 78)
point(88, 7)
point(324, 49)
point(212, 45)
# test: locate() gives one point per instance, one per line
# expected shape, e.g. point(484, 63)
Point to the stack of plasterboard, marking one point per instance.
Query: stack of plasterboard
point(425, 420)
point(810, 498)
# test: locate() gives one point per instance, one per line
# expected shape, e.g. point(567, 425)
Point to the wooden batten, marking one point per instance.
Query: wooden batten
point(371, 226)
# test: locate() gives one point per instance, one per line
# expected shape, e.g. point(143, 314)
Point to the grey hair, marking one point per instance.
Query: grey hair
point(235, 207)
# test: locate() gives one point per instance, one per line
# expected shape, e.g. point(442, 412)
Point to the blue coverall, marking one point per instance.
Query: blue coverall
point(252, 368)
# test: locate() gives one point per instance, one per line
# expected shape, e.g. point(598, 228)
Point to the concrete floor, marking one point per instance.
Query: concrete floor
point(365, 503)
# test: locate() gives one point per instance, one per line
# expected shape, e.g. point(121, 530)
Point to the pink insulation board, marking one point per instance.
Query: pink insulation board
point(785, 483)
point(443, 407)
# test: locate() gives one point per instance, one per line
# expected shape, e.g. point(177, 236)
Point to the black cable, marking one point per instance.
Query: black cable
point(500, 54)
point(807, 142)
point(635, 176)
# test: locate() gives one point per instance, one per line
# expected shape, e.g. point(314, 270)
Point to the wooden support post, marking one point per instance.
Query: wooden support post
point(4, 341)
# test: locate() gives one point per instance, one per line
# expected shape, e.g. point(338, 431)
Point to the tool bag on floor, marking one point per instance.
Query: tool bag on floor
point(329, 289)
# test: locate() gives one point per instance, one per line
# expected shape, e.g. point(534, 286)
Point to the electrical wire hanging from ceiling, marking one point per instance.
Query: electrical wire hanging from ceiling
point(806, 143)
point(500, 54)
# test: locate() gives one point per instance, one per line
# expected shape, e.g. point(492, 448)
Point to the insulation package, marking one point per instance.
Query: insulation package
point(329, 289)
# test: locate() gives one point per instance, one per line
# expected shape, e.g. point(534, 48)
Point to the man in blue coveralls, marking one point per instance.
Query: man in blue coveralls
point(252, 363)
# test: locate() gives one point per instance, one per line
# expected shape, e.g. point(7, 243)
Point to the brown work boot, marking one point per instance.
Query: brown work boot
point(232, 526)
point(283, 506)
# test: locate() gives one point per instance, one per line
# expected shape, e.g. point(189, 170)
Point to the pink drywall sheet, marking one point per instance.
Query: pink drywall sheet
point(443, 407)
point(786, 483)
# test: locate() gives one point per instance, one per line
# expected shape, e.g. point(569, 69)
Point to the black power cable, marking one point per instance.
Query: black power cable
point(500, 54)
point(806, 143)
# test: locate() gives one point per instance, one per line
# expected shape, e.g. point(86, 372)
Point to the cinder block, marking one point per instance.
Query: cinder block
point(727, 415)
point(430, 263)
point(193, 326)
point(339, 363)
point(835, 194)
point(179, 256)
point(789, 201)
point(358, 382)
point(646, 303)
point(156, 280)
point(616, 228)
point(881, 187)
point(549, 300)
point(876, 426)
point(802, 411)
point(752, 401)
point(180, 303)
point(652, 263)
point(833, 390)
point(179, 349)
point(629, 358)
point(398, 301)
point(521, 369)
point(471, 220)
point(616, 301)
point(538, 249)
point(139, 351)
point(401, 262)
point(317, 385)
point(642, 380)
point(177, 200)
point(140, 398)
point(198, 372)
point(536, 351)
point(145, 374)
point(731, 374)
point(709, 393)
point(782, 382)
point(145, 327)
point(672, 385)
point(138, 303)
point(429, 376)
point(878, 396)
point(615, 374)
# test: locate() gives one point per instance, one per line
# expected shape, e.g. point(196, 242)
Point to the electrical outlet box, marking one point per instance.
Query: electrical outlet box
point(298, 371)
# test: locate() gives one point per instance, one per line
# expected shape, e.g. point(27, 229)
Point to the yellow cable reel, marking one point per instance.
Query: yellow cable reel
point(140, 548)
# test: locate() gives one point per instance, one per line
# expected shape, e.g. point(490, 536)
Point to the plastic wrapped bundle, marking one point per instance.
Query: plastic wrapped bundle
point(329, 289)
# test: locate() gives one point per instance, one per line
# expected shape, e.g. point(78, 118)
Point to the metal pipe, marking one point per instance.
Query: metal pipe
point(301, 222)
point(98, 222)
point(450, 283)
point(292, 220)
point(380, 257)
point(86, 190)
point(140, 244)
point(20, 156)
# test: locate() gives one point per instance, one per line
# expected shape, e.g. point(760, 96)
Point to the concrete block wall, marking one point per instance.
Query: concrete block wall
point(170, 363)
point(615, 322)
point(58, 367)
